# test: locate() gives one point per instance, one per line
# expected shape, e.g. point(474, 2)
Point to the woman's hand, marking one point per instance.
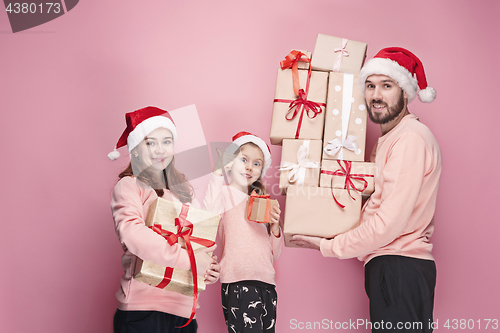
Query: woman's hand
point(275, 221)
point(224, 162)
point(213, 273)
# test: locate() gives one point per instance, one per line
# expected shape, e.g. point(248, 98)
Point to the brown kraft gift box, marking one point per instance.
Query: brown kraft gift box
point(304, 64)
point(256, 209)
point(328, 49)
point(164, 212)
point(304, 172)
point(310, 128)
point(312, 211)
point(358, 171)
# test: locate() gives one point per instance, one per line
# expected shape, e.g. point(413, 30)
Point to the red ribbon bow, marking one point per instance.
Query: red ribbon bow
point(172, 238)
point(301, 102)
point(292, 61)
point(309, 106)
point(267, 215)
point(349, 184)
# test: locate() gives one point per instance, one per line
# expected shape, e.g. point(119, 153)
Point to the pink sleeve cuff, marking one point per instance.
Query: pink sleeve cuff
point(326, 248)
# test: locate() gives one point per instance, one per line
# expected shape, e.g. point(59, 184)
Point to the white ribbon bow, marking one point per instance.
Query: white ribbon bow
point(335, 145)
point(343, 52)
point(298, 171)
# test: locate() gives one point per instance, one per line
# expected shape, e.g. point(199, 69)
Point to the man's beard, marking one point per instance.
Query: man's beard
point(392, 112)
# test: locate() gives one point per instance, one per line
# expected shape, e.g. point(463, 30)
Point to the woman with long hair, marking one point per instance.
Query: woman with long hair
point(150, 136)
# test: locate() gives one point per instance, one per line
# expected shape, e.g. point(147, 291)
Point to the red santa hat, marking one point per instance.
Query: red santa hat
point(139, 124)
point(402, 66)
point(245, 137)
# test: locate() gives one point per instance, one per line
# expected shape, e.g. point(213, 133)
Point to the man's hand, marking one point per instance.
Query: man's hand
point(307, 242)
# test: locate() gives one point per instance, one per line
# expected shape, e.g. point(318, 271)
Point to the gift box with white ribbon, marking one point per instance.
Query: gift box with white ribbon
point(300, 163)
point(345, 119)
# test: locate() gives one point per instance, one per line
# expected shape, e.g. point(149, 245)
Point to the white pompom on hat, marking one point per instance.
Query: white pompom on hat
point(139, 124)
point(245, 137)
point(402, 66)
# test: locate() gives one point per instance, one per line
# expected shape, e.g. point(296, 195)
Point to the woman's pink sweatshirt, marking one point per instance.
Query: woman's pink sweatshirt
point(129, 204)
point(398, 217)
point(248, 251)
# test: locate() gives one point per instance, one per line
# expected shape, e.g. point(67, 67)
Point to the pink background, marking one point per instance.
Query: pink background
point(64, 89)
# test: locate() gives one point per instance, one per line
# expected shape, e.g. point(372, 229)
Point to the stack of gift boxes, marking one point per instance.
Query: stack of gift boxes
point(319, 118)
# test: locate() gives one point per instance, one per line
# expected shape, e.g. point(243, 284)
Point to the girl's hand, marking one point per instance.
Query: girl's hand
point(213, 273)
point(204, 260)
point(224, 162)
point(275, 221)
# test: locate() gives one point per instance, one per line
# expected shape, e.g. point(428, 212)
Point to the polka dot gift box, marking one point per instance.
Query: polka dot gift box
point(345, 119)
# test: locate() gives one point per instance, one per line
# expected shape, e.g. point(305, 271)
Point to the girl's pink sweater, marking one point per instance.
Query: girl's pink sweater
point(248, 251)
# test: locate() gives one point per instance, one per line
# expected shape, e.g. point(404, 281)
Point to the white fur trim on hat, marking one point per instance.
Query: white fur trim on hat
point(427, 95)
point(148, 126)
point(259, 143)
point(114, 155)
point(398, 73)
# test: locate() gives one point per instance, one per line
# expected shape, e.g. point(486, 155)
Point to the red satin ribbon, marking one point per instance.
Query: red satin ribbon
point(172, 239)
point(309, 106)
point(292, 61)
point(301, 102)
point(346, 172)
point(267, 215)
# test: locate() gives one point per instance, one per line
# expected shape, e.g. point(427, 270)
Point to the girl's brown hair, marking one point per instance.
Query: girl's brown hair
point(171, 179)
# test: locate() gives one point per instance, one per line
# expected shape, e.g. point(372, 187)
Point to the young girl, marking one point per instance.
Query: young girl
point(249, 249)
point(150, 136)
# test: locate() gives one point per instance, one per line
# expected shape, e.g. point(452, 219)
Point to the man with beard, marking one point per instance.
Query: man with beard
point(397, 221)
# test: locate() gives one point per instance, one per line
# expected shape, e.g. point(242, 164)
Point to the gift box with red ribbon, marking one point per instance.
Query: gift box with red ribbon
point(315, 211)
point(354, 176)
point(259, 208)
point(338, 54)
point(300, 163)
point(304, 63)
point(193, 229)
point(300, 100)
point(345, 119)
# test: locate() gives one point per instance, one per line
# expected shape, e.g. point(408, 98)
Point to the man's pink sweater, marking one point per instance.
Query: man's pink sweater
point(129, 205)
point(398, 217)
point(248, 251)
